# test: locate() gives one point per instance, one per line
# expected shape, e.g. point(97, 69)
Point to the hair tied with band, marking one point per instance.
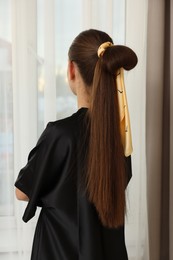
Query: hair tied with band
point(103, 47)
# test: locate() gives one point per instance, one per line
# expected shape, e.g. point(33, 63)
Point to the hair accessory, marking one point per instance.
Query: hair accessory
point(124, 114)
point(103, 47)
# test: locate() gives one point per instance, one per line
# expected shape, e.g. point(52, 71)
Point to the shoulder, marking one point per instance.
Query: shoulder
point(65, 126)
point(64, 129)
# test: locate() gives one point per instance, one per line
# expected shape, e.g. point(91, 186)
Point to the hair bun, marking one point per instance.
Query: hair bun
point(127, 57)
point(119, 56)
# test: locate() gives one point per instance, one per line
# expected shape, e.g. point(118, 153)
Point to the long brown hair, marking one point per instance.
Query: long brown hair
point(105, 178)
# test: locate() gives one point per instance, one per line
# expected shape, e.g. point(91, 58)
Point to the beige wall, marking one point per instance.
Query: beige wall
point(155, 63)
point(171, 131)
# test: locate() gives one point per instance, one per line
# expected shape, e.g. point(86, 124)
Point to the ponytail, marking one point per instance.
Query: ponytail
point(105, 178)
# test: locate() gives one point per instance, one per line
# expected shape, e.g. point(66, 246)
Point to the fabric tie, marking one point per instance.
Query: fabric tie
point(124, 114)
point(103, 47)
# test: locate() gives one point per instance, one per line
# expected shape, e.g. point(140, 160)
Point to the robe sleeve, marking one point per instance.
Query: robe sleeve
point(43, 169)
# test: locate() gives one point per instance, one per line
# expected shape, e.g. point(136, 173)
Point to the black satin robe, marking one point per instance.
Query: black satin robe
point(68, 227)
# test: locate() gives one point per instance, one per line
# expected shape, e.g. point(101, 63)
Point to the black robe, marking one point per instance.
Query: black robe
point(68, 227)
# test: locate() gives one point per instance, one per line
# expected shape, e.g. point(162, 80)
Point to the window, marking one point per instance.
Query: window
point(6, 111)
point(34, 41)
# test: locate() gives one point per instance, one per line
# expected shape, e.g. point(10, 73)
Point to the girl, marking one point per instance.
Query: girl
point(80, 167)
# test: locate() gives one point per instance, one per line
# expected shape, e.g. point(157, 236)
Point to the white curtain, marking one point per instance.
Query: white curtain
point(136, 37)
point(34, 41)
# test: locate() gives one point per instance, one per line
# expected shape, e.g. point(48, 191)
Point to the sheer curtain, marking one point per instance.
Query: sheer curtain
point(136, 37)
point(34, 41)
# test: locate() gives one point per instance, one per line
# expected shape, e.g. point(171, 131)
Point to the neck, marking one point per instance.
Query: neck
point(82, 102)
point(83, 95)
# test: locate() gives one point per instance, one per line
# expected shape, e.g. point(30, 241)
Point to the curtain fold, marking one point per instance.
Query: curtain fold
point(159, 128)
point(165, 177)
point(153, 120)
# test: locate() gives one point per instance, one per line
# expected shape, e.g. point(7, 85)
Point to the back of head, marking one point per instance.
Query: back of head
point(105, 178)
point(84, 52)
